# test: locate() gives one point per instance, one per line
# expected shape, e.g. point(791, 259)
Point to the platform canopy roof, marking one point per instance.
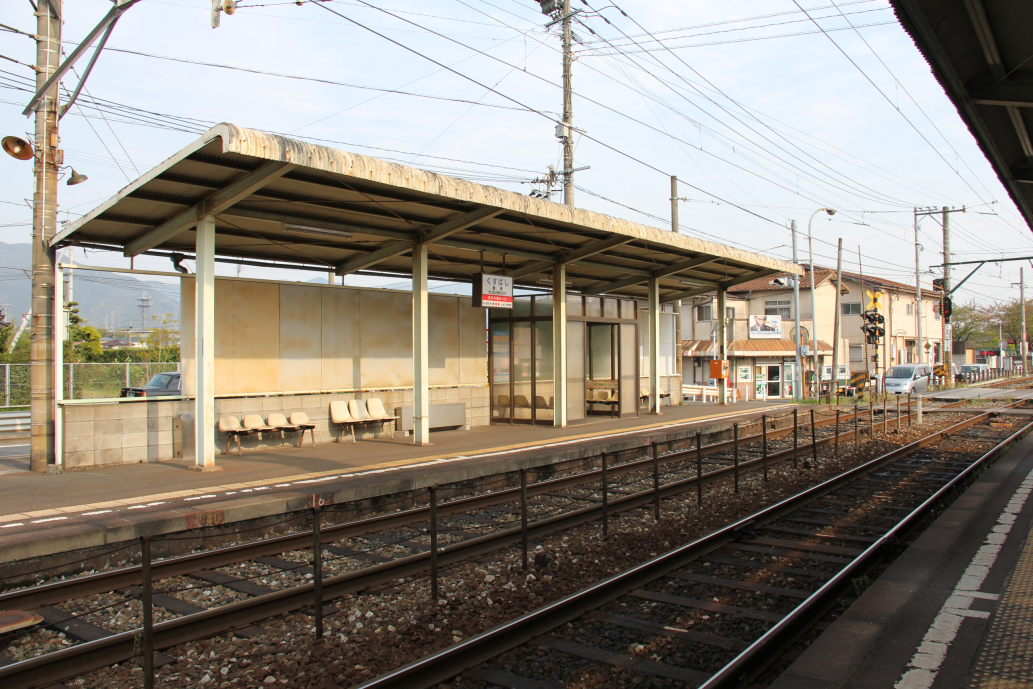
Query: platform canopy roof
point(295, 204)
point(979, 51)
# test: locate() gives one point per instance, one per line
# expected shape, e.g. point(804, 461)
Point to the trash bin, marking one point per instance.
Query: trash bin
point(183, 436)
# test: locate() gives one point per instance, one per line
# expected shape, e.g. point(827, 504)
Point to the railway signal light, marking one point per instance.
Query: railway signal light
point(947, 309)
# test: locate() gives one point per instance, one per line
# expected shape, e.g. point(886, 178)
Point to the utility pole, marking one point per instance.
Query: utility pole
point(948, 338)
point(918, 291)
point(44, 225)
point(814, 317)
point(798, 370)
point(674, 204)
point(836, 330)
point(1022, 298)
point(568, 112)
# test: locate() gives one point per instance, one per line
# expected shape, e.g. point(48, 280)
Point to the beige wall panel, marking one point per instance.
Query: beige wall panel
point(247, 337)
point(186, 333)
point(443, 331)
point(301, 338)
point(386, 339)
point(342, 344)
point(473, 344)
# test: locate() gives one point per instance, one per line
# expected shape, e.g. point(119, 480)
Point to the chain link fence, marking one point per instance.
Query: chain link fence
point(81, 381)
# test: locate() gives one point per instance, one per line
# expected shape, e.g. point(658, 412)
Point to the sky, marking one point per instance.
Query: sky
point(765, 111)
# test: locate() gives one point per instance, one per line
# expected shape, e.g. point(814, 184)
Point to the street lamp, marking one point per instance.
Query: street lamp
point(814, 314)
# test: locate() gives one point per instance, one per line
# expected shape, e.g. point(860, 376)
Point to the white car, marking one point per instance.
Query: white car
point(904, 379)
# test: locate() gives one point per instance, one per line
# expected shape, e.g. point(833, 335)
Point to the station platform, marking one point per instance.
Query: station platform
point(954, 610)
point(977, 393)
point(50, 513)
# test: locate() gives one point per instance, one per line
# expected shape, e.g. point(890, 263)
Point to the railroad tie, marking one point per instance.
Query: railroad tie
point(709, 606)
point(769, 566)
point(667, 630)
point(83, 631)
point(801, 545)
point(505, 678)
point(643, 665)
point(739, 585)
point(813, 534)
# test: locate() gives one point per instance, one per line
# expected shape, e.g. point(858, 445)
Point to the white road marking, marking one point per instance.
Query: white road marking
point(926, 662)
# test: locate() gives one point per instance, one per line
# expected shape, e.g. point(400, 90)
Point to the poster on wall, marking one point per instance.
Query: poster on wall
point(492, 291)
point(744, 374)
point(765, 327)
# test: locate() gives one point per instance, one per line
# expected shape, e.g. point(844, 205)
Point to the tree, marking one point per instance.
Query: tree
point(968, 322)
point(83, 343)
point(163, 340)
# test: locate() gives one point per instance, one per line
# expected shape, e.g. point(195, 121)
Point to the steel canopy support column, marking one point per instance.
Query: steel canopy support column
point(204, 346)
point(559, 345)
point(722, 343)
point(420, 347)
point(654, 345)
point(60, 325)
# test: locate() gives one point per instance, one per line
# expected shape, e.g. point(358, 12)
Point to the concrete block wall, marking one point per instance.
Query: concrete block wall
point(138, 431)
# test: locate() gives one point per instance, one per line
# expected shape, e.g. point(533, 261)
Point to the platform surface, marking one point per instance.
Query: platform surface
point(43, 504)
point(955, 610)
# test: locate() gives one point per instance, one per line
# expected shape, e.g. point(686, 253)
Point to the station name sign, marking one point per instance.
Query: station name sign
point(492, 291)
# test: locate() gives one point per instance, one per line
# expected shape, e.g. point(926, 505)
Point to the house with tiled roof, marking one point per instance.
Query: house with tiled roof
point(761, 330)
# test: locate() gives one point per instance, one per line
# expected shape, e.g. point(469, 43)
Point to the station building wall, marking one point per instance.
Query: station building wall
point(283, 347)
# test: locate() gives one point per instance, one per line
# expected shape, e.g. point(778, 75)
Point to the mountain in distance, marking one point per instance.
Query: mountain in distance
point(104, 298)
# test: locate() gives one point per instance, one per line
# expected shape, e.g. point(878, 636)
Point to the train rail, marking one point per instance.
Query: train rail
point(718, 611)
point(399, 545)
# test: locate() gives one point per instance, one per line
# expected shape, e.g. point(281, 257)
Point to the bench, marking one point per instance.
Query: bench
point(705, 391)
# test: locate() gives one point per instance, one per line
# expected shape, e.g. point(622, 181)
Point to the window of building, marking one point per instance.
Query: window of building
point(730, 313)
point(911, 309)
point(779, 307)
point(703, 313)
point(856, 352)
point(851, 308)
point(936, 312)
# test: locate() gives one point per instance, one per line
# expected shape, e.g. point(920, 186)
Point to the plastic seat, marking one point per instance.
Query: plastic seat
point(301, 420)
point(233, 430)
point(521, 401)
point(540, 403)
point(255, 423)
point(339, 414)
point(279, 422)
point(377, 413)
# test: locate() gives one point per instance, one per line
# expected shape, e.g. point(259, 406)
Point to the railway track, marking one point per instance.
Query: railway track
point(717, 612)
point(269, 577)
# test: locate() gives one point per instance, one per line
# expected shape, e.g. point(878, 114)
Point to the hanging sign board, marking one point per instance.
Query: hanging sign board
point(492, 291)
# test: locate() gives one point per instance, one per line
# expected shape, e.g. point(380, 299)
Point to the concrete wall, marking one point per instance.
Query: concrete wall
point(131, 432)
point(278, 337)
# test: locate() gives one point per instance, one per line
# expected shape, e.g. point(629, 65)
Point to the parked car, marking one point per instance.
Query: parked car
point(160, 385)
point(904, 379)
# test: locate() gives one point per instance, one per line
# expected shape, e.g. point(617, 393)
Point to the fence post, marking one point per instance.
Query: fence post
point(699, 470)
point(434, 543)
point(656, 484)
point(127, 374)
point(606, 515)
point(735, 451)
point(523, 515)
point(317, 571)
point(856, 440)
point(796, 437)
point(71, 382)
point(837, 433)
point(7, 385)
point(871, 420)
point(148, 613)
point(764, 436)
point(910, 422)
point(898, 414)
point(814, 440)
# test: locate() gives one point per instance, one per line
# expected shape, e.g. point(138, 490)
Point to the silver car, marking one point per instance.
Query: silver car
point(907, 378)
